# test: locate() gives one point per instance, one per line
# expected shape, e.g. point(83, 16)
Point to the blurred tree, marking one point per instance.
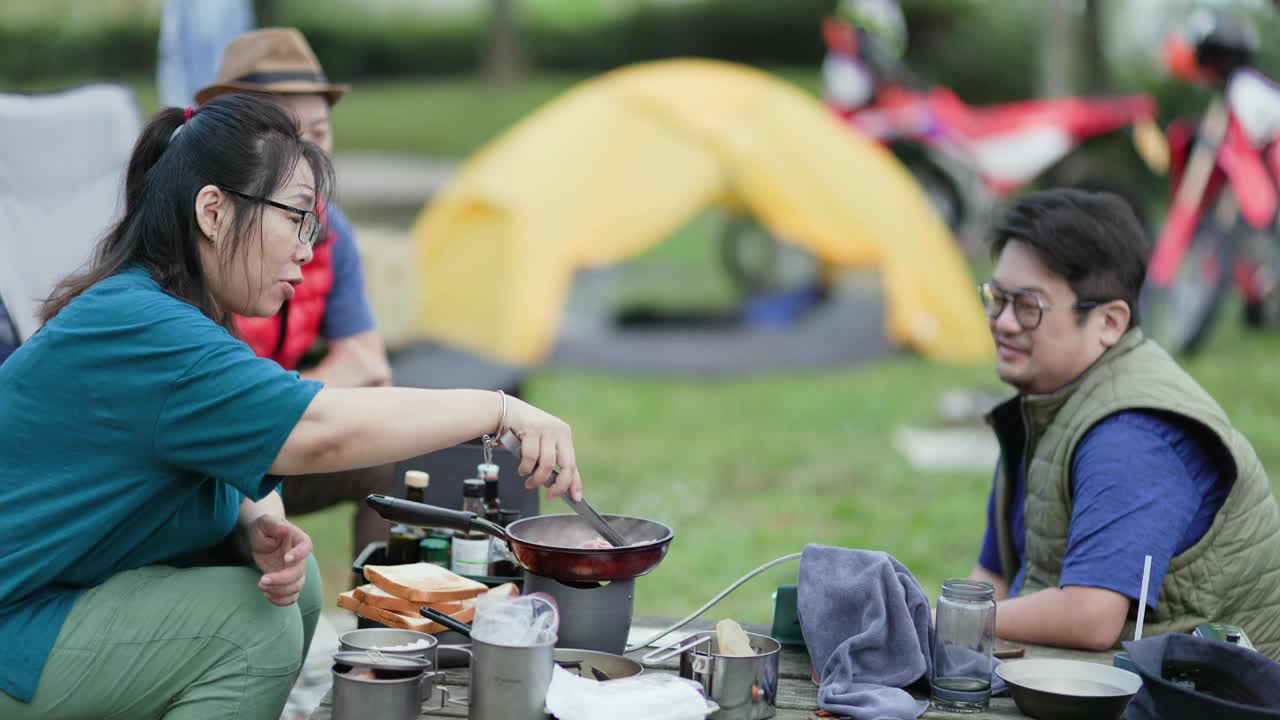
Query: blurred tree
point(505, 61)
point(269, 13)
point(1097, 79)
point(1055, 48)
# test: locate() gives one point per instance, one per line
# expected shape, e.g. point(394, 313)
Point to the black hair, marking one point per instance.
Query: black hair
point(1093, 240)
point(242, 142)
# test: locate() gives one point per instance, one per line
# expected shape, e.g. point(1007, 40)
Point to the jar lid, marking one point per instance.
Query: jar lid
point(433, 543)
point(416, 478)
point(380, 661)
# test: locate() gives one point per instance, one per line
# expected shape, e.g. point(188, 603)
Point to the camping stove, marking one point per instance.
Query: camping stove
point(593, 616)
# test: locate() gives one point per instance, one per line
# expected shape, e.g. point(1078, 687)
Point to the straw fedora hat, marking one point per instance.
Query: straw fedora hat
point(273, 60)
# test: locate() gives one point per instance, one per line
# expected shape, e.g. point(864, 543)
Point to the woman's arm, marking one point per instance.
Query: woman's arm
point(347, 428)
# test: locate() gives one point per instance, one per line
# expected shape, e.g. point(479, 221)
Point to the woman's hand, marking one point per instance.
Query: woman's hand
point(279, 549)
point(545, 443)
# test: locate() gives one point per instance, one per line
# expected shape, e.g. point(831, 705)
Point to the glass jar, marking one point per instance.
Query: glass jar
point(963, 640)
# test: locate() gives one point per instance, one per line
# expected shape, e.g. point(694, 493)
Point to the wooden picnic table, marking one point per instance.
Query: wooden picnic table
point(797, 694)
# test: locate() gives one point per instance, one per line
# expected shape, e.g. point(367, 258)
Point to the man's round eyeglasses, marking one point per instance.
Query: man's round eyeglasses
point(308, 227)
point(1028, 309)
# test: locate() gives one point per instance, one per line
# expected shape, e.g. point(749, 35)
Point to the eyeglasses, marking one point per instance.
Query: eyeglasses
point(1028, 309)
point(308, 227)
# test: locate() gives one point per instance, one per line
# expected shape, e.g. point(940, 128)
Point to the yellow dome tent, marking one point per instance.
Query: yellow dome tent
point(618, 163)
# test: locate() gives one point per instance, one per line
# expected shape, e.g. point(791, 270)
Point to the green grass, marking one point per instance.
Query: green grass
point(747, 470)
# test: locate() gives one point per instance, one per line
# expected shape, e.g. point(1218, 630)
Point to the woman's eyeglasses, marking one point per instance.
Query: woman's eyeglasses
point(308, 228)
point(1028, 309)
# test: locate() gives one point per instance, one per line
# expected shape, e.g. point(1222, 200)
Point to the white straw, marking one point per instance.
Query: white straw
point(1142, 604)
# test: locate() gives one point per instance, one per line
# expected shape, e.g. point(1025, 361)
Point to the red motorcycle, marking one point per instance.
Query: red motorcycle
point(1221, 227)
point(965, 158)
point(968, 158)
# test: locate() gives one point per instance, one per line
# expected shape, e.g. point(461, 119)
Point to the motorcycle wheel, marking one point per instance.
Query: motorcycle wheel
point(749, 254)
point(1180, 316)
point(939, 190)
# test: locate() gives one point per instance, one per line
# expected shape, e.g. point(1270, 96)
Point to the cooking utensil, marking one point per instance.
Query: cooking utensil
point(743, 686)
point(371, 684)
point(511, 444)
point(509, 682)
point(377, 640)
point(1069, 689)
point(453, 624)
point(602, 666)
point(549, 545)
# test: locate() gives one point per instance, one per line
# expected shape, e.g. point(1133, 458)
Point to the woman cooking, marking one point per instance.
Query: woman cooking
point(139, 439)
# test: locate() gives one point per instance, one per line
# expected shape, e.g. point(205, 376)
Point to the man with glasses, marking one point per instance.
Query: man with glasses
point(1110, 451)
point(330, 304)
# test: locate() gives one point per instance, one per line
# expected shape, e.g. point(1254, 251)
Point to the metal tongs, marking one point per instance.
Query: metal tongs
point(511, 444)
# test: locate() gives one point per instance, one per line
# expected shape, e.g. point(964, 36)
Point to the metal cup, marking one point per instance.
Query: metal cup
point(393, 696)
point(380, 638)
point(745, 688)
point(509, 682)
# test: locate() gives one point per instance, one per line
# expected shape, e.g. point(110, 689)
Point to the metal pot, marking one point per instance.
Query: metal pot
point(377, 639)
point(549, 545)
point(1069, 689)
point(372, 685)
point(745, 688)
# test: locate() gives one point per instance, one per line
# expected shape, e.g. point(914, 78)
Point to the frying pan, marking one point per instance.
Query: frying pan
point(549, 545)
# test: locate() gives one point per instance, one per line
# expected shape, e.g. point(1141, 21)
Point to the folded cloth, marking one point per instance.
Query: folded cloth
point(1230, 681)
point(867, 624)
point(654, 696)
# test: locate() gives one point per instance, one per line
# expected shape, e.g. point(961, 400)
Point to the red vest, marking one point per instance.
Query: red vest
point(300, 316)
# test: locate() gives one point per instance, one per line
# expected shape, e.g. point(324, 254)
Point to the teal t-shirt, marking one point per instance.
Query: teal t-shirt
point(131, 427)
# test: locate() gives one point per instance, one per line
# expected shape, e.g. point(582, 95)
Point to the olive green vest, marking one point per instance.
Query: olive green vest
point(1231, 575)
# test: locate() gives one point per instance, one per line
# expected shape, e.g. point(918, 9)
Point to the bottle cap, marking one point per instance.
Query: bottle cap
point(417, 478)
point(487, 471)
point(473, 486)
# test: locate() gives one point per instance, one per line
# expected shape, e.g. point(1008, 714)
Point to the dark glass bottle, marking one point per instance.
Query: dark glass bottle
point(403, 540)
point(501, 562)
point(488, 472)
point(469, 553)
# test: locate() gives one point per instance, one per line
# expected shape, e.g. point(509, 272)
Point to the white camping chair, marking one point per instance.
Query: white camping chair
point(63, 157)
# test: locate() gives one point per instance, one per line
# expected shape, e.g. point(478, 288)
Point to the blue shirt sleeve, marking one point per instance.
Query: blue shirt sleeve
point(989, 556)
point(347, 311)
point(1133, 496)
point(229, 415)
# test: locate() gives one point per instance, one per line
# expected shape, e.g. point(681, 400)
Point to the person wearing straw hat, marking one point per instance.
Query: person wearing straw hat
point(1110, 451)
point(331, 304)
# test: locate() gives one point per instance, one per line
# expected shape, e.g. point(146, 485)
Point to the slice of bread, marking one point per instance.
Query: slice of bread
point(422, 582)
point(391, 618)
point(371, 594)
point(466, 611)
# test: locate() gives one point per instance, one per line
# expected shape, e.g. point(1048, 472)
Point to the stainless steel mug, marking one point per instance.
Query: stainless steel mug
point(371, 685)
point(380, 639)
point(745, 688)
point(509, 682)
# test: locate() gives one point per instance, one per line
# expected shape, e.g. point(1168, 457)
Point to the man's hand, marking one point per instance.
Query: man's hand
point(279, 549)
point(357, 361)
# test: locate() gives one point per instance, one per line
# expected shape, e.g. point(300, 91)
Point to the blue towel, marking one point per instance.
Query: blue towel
point(869, 629)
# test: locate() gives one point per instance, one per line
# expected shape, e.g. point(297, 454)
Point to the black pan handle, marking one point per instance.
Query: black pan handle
point(455, 625)
point(430, 516)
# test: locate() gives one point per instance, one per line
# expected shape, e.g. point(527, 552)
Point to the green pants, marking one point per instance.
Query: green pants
point(163, 642)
